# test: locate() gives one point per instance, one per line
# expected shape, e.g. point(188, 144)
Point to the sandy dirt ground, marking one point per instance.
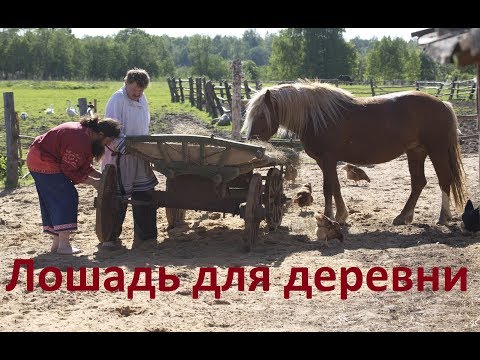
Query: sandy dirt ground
point(209, 240)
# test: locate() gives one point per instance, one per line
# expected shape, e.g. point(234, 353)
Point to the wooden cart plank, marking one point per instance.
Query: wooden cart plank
point(198, 139)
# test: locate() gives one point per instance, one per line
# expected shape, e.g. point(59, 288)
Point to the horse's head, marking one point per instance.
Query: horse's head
point(260, 120)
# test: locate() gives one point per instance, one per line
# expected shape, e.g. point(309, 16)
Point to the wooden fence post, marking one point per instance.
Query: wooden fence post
point(247, 89)
point(210, 97)
point(417, 85)
point(180, 86)
point(206, 94)
point(82, 106)
point(12, 134)
point(198, 83)
point(440, 87)
point(452, 89)
point(372, 87)
point(229, 95)
point(472, 91)
point(208, 108)
point(216, 105)
point(236, 99)
point(174, 88)
point(217, 102)
point(192, 91)
point(172, 96)
point(221, 89)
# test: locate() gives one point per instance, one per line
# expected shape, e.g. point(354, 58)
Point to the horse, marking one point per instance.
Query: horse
point(333, 125)
point(345, 78)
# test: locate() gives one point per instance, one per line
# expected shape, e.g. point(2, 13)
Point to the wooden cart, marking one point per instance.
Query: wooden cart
point(202, 173)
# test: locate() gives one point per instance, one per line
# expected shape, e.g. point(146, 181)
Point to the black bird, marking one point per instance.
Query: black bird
point(470, 217)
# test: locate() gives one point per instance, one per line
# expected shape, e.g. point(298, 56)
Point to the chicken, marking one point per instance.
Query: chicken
point(327, 229)
point(304, 197)
point(470, 217)
point(355, 173)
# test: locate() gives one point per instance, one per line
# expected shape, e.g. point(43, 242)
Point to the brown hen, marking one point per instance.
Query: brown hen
point(355, 173)
point(327, 229)
point(304, 197)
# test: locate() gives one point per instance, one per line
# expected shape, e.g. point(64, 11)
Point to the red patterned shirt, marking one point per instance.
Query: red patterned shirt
point(66, 148)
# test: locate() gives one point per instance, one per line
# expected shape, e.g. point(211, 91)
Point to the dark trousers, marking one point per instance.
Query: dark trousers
point(144, 218)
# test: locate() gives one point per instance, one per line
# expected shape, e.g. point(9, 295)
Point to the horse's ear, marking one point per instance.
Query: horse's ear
point(267, 96)
point(268, 100)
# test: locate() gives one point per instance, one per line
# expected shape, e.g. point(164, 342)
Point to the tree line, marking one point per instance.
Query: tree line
point(323, 53)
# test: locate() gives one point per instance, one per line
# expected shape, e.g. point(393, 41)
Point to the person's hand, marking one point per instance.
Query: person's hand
point(95, 174)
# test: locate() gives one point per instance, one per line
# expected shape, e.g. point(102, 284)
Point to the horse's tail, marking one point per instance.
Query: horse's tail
point(458, 187)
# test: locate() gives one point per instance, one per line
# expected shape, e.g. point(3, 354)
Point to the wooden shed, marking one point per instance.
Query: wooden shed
point(460, 46)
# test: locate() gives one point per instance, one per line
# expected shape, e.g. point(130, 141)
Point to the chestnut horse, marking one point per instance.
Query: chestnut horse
point(333, 125)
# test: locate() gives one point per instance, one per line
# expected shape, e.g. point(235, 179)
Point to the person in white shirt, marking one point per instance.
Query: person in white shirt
point(135, 176)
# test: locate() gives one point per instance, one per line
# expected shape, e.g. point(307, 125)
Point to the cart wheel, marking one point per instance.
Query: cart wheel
point(274, 199)
point(254, 212)
point(174, 216)
point(106, 203)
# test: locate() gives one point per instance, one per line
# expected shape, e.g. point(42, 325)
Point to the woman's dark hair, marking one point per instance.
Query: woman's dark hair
point(109, 127)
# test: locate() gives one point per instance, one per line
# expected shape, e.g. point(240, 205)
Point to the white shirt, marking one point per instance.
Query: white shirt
point(134, 116)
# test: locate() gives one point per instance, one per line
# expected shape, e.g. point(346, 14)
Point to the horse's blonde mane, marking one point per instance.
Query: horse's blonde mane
point(301, 103)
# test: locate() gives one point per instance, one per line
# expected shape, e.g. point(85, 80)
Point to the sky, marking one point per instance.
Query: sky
point(350, 33)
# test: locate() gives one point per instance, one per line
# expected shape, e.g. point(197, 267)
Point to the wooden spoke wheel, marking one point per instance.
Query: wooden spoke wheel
point(274, 199)
point(174, 216)
point(106, 203)
point(254, 212)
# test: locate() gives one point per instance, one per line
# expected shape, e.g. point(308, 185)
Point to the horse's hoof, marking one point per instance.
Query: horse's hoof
point(403, 220)
point(341, 216)
point(341, 220)
point(443, 221)
point(399, 220)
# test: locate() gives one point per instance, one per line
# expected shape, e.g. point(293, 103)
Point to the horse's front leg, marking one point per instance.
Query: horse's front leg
point(331, 186)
